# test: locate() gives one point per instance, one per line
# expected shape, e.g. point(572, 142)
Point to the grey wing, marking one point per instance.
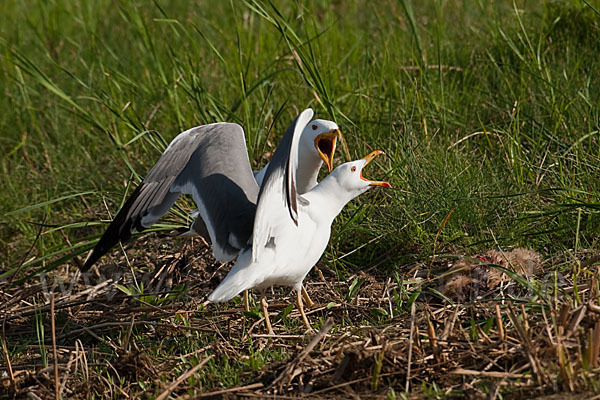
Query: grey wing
point(278, 195)
point(221, 181)
point(211, 163)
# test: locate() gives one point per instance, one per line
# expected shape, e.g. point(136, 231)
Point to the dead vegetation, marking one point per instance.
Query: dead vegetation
point(530, 331)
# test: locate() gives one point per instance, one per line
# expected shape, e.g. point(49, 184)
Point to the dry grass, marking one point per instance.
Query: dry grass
point(515, 340)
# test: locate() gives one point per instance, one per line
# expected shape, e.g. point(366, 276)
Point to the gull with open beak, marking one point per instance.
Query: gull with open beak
point(317, 145)
point(211, 163)
point(288, 238)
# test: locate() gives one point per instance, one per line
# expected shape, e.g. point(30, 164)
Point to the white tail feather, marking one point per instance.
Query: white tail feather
point(226, 292)
point(239, 279)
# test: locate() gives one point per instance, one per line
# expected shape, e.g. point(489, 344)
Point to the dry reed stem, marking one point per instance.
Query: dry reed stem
point(499, 323)
point(182, 378)
point(413, 309)
point(11, 374)
point(232, 390)
point(287, 373)
point(54, 351)
point(490, 374)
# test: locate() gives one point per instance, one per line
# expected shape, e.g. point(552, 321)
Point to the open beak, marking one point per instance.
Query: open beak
point(368, 159)
point(325, 145)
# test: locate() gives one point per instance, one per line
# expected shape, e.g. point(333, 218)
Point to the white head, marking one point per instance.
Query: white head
point(318, 141)
point(350, 177)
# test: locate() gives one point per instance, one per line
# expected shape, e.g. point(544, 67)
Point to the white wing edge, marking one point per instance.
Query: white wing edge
point(292, 192)
point(262, 226)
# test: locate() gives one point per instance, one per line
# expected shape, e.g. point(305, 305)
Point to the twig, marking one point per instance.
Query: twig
point(575, 320)
point(413, 310)
point(433, 338)
point(593, 307)
point(449, 325)
point(287, 372)
point(33, 396)
point(72, 358)
point(488, 374)
point(106, 342)
point(526, 343)
point(182, 378)
point(267, 336)
point(126, 341)
point(53, 327)
point(316, 339)
point(128, 323)
point(30, 310)
point(11, 375)
point(499, 323)
point(234, 389)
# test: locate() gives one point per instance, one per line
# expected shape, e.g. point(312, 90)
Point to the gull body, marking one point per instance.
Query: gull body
point(284, 262)
point(293, 249)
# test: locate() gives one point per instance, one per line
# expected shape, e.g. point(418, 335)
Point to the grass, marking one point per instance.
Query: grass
point(488, 114)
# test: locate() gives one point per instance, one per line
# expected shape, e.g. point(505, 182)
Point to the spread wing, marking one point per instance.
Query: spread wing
point(278, 198)
point(209, 162)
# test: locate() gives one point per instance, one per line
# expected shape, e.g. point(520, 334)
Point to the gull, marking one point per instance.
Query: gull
point(290, 230)
point(211, 163)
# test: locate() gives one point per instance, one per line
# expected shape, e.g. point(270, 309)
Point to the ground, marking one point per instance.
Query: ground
point(527, 339)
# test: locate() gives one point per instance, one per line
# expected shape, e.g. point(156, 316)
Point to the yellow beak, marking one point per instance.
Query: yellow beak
point(325, 145)
point(368, 159)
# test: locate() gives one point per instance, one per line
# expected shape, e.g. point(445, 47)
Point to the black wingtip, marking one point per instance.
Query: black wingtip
point(115, 233)
point(91, 260)
point(119, 230)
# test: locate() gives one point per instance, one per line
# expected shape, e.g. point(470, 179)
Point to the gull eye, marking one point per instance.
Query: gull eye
point(353, 169)
point(314, 127)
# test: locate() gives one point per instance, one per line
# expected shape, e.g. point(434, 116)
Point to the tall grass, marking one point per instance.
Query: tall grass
point(486, 110)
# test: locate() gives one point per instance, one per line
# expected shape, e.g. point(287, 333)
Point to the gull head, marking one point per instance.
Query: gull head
point(319, 137)
point(350, 175)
